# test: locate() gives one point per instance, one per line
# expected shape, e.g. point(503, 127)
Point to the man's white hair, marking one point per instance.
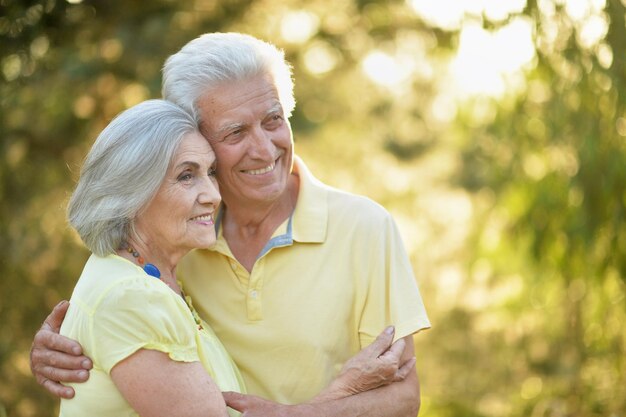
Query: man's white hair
point(214, 58)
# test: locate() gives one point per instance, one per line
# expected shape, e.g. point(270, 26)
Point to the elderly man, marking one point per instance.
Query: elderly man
point(303, 275)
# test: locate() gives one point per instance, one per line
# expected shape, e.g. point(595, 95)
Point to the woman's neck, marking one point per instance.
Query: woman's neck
point(141, 253)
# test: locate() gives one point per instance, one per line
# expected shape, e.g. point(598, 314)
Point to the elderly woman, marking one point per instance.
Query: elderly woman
point(146, 196)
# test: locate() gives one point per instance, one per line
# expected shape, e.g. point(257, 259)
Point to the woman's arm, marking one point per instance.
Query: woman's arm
point(154, 386)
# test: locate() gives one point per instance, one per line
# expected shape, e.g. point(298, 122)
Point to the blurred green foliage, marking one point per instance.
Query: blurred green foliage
point(511, 201)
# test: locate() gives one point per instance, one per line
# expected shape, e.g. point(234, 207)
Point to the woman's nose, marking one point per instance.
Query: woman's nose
point(210, 193)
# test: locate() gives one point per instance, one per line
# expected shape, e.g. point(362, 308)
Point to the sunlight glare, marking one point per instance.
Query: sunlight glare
point(445, 14)
point(473, 67)
point(485, 59)
point(449, 14)
point(134, 93)
point(385, 70)
point(498, 10)
point(592, 31)
point(321, 58)
point(578, 10)
point(298, 27)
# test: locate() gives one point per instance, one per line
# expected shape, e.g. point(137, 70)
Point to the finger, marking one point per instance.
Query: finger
point(394, 353)
point(42, 358)
point(58, 390)
point(235, 400)
point(51, 340)
point(55, 318)
point(382, 342)
point(63, 375)
point(405, 370)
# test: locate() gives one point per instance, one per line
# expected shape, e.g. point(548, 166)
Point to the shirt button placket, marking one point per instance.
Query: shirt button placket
point(254, 292)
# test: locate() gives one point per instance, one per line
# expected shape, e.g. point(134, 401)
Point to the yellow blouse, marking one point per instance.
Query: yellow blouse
point(117, 309)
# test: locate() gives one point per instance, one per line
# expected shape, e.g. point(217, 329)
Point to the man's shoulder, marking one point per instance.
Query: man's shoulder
point(355, 206)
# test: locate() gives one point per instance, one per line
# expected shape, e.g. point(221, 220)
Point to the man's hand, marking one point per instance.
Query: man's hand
point(55, 358)
point(253, 406)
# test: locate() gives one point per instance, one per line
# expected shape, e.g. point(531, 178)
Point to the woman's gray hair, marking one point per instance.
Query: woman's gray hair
point(214, 58)
point(124, 170)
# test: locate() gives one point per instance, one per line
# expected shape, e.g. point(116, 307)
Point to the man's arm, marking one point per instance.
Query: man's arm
point(399, 399)
point(55, 359)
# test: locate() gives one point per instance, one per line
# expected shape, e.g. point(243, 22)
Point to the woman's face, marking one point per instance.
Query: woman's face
point(180, 217)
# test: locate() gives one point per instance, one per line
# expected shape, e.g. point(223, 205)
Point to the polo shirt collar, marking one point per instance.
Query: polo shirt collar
point(310, 218)
point(308, 222)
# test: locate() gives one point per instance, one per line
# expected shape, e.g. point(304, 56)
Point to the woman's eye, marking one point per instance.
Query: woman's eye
point(185, 177)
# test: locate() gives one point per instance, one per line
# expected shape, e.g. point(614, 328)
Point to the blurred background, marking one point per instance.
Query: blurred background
point(493, 130)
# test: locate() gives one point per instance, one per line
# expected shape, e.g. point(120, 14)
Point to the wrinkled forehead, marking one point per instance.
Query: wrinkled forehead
point(237, 103)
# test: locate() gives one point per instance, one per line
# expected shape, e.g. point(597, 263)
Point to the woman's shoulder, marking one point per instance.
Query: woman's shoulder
point(113, 279)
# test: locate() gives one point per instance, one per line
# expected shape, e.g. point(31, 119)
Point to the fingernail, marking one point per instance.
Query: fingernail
point(390, 330)
point(68, 392)
point(86, 364)
point(82, 374)
point(76, 350)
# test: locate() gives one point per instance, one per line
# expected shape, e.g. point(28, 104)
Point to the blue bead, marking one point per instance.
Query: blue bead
point(152, 270)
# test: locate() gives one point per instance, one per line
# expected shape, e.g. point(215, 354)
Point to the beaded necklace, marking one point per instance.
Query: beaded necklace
point(152, 270)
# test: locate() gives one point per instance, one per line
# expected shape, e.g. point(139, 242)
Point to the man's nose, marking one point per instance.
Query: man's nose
point(261, 144)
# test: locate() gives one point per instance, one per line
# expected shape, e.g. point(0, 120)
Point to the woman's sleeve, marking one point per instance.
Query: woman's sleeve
point(137, 313)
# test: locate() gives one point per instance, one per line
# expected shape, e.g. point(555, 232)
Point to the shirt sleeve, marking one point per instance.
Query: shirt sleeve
point(141, 313)
point(392, 295)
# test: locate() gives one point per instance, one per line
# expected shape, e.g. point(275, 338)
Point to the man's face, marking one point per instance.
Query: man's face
point(245, 124)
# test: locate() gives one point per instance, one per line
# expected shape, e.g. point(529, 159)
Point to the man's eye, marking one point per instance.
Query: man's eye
point(274, 121)
point(235, 133)
point(234, 136)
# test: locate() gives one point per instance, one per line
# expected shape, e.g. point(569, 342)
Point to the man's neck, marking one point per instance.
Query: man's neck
point(247, 227)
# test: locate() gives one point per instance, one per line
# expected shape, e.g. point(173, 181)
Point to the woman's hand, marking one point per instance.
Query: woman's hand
point(55, 359)
point(377, 365)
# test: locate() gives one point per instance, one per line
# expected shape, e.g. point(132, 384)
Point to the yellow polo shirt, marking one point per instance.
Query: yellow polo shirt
point(117, 309)
point(332, 277)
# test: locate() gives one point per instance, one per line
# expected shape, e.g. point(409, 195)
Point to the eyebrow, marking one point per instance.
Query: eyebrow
point(276, 108)
point(232, 126)
point(192, 163)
